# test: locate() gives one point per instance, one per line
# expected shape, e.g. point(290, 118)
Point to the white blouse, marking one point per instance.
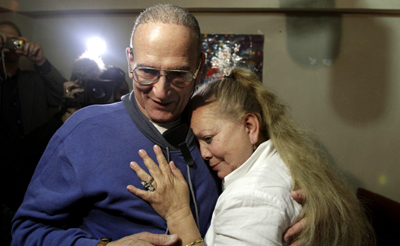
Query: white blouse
point(255, 207)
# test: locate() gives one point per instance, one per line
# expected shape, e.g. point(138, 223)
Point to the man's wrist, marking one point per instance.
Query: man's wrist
point(44, 68)
point(41, 62)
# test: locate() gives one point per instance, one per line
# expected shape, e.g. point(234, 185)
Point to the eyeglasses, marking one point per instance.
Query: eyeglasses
point(150, 76)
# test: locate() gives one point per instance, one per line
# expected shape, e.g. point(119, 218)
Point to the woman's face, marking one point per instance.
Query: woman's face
point(223, 142)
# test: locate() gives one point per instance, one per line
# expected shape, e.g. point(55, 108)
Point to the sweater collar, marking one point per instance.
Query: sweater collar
point(146, 126)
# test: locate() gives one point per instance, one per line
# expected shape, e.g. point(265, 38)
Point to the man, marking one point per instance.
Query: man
point(78, 193)
point(36, 90)
point(25, 98)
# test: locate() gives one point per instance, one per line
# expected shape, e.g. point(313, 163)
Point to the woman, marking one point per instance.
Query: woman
point(261, 154)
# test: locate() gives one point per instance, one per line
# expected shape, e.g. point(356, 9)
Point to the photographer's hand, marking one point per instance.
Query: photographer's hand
point(32, 51)
point(70, 89)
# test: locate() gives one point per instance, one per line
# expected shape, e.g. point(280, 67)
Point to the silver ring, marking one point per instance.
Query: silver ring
point(148, 185)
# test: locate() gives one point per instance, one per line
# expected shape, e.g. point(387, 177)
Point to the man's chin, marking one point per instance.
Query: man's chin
point(162, 118)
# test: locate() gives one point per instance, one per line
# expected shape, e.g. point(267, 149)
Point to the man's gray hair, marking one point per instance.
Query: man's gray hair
point(168, 14)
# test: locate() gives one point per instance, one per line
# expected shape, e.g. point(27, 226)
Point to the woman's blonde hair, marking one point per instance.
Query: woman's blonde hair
point(334, 216)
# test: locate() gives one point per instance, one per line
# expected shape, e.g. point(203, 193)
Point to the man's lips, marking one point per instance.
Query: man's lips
point(162, 104)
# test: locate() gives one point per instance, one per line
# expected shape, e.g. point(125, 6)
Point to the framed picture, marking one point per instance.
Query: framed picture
point(224, 51)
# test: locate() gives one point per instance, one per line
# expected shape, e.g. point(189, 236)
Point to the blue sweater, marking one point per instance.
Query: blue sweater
point(78, 192)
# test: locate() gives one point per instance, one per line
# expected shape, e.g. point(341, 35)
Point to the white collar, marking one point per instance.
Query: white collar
point(259, 156)
point(162, 127)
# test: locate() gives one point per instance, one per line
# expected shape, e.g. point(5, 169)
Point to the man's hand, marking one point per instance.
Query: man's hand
point(298, 196)
point(32, 51)
point(295, 229)
point(145, 239)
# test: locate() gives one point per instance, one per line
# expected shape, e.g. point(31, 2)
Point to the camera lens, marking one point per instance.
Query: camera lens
point(98, 93)
point(18, 44)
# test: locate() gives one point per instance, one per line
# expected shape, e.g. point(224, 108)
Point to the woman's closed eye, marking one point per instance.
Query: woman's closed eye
point(208, 139)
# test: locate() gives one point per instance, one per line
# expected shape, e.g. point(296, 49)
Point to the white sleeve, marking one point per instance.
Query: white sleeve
point(251, 217)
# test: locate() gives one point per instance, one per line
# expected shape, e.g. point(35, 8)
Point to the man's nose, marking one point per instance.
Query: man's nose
point(162, 87)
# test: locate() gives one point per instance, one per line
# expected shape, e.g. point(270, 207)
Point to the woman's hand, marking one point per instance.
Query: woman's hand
point(170, 197)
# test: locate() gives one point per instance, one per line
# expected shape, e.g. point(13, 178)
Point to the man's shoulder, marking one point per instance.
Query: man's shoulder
point(99, 110)
point(95, 115)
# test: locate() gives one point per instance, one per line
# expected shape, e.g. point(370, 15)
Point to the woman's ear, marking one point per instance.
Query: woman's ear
point(252, 126)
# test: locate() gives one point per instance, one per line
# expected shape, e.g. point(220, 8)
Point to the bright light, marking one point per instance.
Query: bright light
point(96, 46)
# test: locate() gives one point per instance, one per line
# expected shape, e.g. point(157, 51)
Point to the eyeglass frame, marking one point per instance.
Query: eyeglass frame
point(196, 73)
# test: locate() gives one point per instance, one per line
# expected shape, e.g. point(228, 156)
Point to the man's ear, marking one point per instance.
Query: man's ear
point(203, 59)
point(129, 59)
point(252, 125)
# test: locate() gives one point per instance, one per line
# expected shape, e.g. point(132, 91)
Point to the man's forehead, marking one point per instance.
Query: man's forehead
point(153, 29)
point(165, 40)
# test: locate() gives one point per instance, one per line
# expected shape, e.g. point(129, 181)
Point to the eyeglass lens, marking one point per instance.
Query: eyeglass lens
point(149, 76)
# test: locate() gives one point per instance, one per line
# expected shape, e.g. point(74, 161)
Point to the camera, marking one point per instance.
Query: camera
point(13, 44)
point(99, 91)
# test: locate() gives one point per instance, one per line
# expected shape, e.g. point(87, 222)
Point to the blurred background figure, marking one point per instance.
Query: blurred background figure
point(116, 74)
point(25, 99)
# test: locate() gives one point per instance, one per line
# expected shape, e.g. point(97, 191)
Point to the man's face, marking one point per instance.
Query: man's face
point(163, 46)
point(10, 32)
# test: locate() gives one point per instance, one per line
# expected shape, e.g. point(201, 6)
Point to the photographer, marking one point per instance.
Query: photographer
point(86, 73)
point(116, 75)
point(36, 141)
point(25, 98)
point(84, 70)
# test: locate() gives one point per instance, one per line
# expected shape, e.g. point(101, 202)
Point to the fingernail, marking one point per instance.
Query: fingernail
point(156, 147)
point(172, 238)
point(142, 152)
point(133, 164)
